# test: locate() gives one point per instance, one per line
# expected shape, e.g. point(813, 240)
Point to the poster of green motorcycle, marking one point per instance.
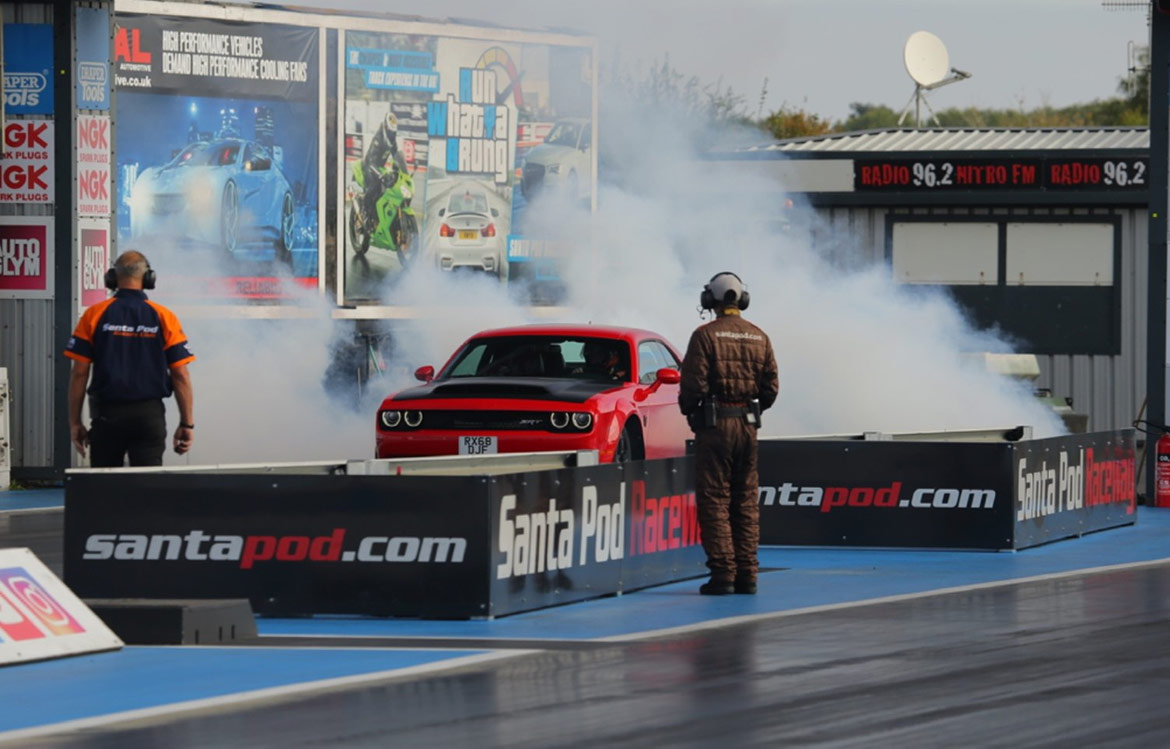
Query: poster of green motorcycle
point(436, 130)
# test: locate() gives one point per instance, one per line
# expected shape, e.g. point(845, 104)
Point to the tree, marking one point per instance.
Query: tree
point(789, 122)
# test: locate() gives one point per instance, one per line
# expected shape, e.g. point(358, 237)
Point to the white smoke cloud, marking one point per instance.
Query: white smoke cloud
point(857, 352)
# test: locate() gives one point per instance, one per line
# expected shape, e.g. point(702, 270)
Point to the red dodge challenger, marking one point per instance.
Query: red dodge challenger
point(543, 387)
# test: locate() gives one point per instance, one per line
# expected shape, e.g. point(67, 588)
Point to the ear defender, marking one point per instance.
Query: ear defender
point(111, 279)
point(148, 278)
point(707, 298)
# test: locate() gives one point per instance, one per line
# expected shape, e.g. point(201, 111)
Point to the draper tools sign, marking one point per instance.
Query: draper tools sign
point(93, 58)
point(26, 167)
point(26, 257)
point(217, 152)
point(28, 68)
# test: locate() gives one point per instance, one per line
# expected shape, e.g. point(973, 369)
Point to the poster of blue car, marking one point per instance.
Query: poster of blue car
point(217, 152)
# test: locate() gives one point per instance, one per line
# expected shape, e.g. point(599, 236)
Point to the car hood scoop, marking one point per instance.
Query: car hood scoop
point(535, 388)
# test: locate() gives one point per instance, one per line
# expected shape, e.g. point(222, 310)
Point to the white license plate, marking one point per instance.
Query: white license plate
point(463, 234)
point(478, 446)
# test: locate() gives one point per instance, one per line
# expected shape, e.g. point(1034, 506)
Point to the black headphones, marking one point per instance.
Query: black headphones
point(707, 299)
point(148, 278)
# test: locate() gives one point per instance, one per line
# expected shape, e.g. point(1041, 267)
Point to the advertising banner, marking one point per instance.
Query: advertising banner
point(93, 165)
point(93, 58)
point(1069, 486)
point(40, 618)
point(217, 153)
point(573, 534)
point(26, 166)
point(377, 545)
point(435, 169)
point(93, 240)
point(28, 68)
point(430, 546)
point(26, 257)
point(886, 494)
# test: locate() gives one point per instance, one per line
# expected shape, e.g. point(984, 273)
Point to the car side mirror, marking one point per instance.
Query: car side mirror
point(259, 165)
point(495, 213)
point(442, 211)
point(664, 376)
point(425, 374)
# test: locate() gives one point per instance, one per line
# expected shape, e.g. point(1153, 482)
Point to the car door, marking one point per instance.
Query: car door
point(664, 428)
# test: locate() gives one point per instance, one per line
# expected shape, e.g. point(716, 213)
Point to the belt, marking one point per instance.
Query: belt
point(735, 404)
point(723, 411)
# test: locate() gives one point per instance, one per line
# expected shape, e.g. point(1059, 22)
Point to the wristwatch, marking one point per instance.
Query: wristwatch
point(186, 426)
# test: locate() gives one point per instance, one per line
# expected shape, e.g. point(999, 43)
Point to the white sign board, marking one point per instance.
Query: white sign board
point(41, 618)
point(26, 168)
point(93, 165)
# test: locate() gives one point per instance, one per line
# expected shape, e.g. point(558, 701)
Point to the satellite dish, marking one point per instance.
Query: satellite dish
point(926, 58)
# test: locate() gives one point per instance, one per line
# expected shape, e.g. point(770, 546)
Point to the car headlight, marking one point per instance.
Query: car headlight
point(582, 420)
point(412, 418)
point(391, 419)
point(553, 168)
point(559, 419)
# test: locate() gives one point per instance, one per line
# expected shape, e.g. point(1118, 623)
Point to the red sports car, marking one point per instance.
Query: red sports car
point(543, 387)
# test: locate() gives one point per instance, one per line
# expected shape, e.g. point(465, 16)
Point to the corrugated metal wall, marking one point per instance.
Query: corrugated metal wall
point(1110, 389)
point(26, 349)
point(26, 328)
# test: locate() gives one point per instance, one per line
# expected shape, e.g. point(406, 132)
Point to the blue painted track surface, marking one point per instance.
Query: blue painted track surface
point(146, 678)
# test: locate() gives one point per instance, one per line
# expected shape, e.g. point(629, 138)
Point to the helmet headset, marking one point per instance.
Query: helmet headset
point(148, 278)
point(725, 289)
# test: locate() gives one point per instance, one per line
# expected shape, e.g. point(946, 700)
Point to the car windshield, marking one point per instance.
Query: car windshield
point(564, 134)
point(467, 202)
point(207, 154)
point(576, 357)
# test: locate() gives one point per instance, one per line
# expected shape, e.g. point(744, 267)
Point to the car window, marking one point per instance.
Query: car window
point(669, 360)
point(599, 359)
point(563, 134)
point(649, 362)
point(467, 202)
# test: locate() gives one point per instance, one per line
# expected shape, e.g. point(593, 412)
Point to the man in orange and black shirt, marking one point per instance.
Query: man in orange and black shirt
point(138, 355)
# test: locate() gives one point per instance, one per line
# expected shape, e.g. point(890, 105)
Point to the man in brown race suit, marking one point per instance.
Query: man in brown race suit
point(729, 376)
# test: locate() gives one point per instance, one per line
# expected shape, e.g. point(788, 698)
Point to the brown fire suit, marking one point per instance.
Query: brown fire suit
point(731, 360)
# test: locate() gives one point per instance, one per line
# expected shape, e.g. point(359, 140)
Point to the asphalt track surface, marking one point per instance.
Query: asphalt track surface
point(1062, 645)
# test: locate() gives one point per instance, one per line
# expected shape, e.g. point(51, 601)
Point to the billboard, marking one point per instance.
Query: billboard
point(447, 142)
point(26, 165)
point(217, 152)
point(26, 257)
point(28, 68)
point(93, 58)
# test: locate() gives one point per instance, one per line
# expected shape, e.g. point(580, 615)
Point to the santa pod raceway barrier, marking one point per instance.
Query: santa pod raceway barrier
point(431, 546)
point(945, 494)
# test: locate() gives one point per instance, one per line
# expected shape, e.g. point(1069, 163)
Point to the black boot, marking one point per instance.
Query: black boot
point(745, 585)
point(715, 587)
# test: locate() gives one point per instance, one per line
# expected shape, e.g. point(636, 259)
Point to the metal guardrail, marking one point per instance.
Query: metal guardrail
point(1002, 434)
point(446, 465)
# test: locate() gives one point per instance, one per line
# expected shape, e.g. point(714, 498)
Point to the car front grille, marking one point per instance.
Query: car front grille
point(533, 176)
point(500, 420)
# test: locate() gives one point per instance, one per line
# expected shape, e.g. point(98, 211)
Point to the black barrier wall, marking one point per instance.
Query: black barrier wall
point(1068, 486)
point(425, 546)
point(945, 494)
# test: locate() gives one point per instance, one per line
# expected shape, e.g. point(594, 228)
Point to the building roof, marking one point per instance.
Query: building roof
point(967, 139)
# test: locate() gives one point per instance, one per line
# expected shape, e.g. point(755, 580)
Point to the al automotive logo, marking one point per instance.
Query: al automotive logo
point(828, 498)
point(247, 551)
point(557, 539)
point(1074, 480)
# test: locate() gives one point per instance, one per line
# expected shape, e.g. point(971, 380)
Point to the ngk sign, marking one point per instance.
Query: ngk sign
point(26, 257)
point(26, 168)
point(93, 165)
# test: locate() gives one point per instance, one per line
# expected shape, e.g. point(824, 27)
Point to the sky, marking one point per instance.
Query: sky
point(822, 56)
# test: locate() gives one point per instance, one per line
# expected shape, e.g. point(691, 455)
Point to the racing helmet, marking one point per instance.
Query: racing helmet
point(391, 121)
point(598, 354)
point(724, 290)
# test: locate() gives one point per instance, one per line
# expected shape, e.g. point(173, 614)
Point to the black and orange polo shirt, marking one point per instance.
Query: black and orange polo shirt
point(133, 343)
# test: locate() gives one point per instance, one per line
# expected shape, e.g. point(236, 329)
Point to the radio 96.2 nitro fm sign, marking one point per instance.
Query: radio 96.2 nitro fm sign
point(1029, 174)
